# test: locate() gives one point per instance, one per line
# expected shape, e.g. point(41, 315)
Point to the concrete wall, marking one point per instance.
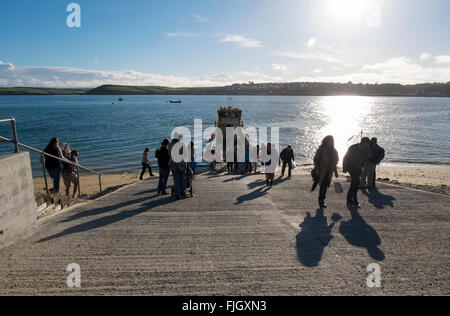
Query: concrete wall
point(17, 203)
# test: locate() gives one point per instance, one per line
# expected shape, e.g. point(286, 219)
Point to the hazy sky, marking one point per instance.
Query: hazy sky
point(212, 42)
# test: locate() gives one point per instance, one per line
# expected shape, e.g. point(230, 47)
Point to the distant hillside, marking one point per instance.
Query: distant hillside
point(277, 89)
point(292, 89)
point(40, 91)
point(154, 90)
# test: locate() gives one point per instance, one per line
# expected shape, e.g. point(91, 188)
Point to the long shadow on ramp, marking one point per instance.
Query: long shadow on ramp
point(108, 220)
point(378, 199)
point(360, 234)
point(314, 237)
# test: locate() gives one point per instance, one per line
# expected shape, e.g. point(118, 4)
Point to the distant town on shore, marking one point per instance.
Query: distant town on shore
point(262, 89)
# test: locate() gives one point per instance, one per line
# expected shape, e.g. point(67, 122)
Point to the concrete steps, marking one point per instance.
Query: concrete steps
point(50, 204)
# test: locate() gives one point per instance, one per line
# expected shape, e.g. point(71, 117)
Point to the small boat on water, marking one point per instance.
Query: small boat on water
point(120, 99)
point(175, 101)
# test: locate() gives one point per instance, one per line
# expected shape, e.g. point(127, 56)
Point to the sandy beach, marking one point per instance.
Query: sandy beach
point(422, 177)
point(428, 178)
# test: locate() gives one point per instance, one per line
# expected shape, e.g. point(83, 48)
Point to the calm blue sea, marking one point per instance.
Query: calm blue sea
point(112, 137)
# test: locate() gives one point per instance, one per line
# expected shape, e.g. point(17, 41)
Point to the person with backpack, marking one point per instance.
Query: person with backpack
point(52, 165)
point(70, 174)
point(376, 155)
point(163, 157)
point(354, 161)
point(287, 157)
point(146, 164)
point(325, 165)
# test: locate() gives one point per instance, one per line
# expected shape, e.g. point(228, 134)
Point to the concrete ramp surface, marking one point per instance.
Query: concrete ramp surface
point(238, 237)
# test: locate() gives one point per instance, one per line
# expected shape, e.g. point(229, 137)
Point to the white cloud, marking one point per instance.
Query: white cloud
point(425, 56)
point(65, 77)
point(395, 70)
point(6, 66)
point(279, 67)
point(241, 40)
point(442, 59)
point(311, 42)
point(328, 58)
point(316, 71)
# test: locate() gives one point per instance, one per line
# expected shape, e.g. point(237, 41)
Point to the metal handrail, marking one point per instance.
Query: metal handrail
point(16, 143)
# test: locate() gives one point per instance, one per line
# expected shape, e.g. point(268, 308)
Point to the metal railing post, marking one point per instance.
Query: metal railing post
point(45, 173)
point(100, 182)
point(16, 139)
point(78, 182)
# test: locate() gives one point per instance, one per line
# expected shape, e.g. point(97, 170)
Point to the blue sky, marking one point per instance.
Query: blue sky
point(212, 42)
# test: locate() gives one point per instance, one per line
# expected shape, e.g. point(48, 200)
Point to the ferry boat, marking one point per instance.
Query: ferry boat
point(227, 117)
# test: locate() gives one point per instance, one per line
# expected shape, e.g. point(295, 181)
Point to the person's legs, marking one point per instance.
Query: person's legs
point(66, 184)
point(323, 190)
point(352, 196)
point(363, 177)
point(371, 176)
point(183, 184)
point(290, 168)
point(75, 185)
point(176, 183)
point(55, 174)
point(144, 168)
point(283, 170)
point(150, 170)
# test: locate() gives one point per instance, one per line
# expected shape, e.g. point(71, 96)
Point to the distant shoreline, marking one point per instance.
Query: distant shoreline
point(252, 89)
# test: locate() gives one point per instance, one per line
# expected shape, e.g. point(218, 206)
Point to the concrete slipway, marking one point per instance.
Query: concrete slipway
point(237, 237)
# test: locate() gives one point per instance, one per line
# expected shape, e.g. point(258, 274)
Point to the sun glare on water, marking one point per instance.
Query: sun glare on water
point(346, 116)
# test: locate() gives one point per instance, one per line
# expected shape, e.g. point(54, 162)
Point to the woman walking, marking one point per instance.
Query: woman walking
point(325, 162)
point(54, 166)
point(146, 164)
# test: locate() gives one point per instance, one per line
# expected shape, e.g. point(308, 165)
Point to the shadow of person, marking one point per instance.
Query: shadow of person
point(280, 180)
point(252, 195)
point(97, 223)
point(256, 183)
point(314, 237)
point(358, 233)
point(378, 199)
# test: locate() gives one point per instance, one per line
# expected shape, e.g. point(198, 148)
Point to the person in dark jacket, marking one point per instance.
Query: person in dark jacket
point(354, 161)
point(325, 165)
point(287, 157)
point(376, 155)
point(54, 166)
point(163, 157)
point(178, 165)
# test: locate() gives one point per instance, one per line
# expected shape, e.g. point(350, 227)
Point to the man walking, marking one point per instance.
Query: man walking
point(376, 155)
point(162, 155)
point(287, 156)
point(354, 161)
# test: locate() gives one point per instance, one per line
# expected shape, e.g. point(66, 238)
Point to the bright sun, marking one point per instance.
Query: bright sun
point(349, 10)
